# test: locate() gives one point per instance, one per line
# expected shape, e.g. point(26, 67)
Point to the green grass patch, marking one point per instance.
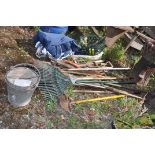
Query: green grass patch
point(51, 106)
point(115, 54)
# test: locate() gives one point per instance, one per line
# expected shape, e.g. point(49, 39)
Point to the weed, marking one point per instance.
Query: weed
point(151, 84)
point(55, 122)
point(69, 91)
point(99, 108)
point(78, 107)
point(51, 106)
point(94, 125)
point(74, 122)
point(129, 115)
point(37, 28)
point(114, 54)
point(49, 124)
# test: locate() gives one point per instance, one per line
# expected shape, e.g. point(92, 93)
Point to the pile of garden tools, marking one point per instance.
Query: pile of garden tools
point(59, 76)
point(83, 68)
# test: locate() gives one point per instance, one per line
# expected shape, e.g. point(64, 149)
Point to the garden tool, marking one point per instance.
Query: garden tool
point(98, 69)
point(101, 80)
point(104, 82)
point(98, 99)
point(97, 85)
point(97, 82)
point(88, 64)
point(53, 82)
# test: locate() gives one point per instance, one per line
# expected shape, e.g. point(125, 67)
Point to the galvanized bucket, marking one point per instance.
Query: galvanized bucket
point(22, 80)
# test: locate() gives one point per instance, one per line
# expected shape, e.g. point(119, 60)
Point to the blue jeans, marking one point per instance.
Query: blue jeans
point(54, 29)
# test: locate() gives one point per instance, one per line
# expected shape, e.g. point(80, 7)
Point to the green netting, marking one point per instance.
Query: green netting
point(91, 44)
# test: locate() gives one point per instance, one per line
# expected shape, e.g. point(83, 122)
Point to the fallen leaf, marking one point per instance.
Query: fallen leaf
point(65, 103)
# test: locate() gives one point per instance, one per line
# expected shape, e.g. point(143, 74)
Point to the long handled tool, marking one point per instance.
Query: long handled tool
point(99, 99)
point(97, 69)
point(66, 103)
point(73, 79)
point(105, 82)
point(112, 89)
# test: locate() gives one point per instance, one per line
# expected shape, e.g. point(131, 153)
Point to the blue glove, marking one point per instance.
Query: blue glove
point(57, 46)
point(54, 29)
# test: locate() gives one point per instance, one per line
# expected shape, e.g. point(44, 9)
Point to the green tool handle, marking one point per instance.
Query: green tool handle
point(104, 82)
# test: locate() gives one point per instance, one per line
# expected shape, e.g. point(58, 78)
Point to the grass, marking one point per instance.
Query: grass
point(51, 106)
point(151, 84)
point(55, 122)
point(127, 112)
point(76, 122)
point(49, 124)
point(69, 92)
point(115, 54)
point(131, 114)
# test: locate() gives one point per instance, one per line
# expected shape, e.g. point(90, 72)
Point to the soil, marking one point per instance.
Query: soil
point(16, 46)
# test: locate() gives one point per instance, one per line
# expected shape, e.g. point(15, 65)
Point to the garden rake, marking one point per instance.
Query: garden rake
point(53, 83)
